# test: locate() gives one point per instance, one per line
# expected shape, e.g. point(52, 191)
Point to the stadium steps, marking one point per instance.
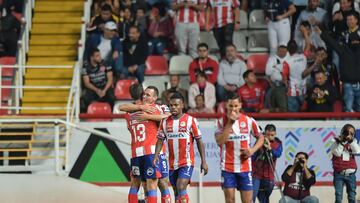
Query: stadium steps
point(54, 41)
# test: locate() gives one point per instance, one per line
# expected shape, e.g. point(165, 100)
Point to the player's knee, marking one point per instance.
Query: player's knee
point(151, 184)
point(163, 184)
point(230, 199)
point(135, 183)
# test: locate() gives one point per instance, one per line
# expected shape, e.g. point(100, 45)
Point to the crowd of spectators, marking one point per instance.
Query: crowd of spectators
point(314, 51)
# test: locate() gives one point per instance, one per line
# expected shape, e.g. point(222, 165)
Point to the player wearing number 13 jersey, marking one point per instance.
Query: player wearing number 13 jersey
point(233, 136)
point(143, 128)
point(180, 130)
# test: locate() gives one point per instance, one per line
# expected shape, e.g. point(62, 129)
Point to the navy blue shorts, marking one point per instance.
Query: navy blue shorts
point(143, 168)
point(184, 172)
point(240, 181)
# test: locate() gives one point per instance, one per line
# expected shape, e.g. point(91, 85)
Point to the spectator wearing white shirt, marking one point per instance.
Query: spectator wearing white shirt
point(205, 88)
point(230, 74)
point(296, 83)
point(275, 67)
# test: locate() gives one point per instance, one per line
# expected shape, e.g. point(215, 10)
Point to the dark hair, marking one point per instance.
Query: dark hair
point(161, 7)
point(93, 51)
point(305, 23)
point(292, 47)
point(156, 91)
point(270, 127)
point(353, 13)
point(203, 45)
point(202, 74)
point(282, 47)
point(177, 95)
point(200, 95)
point(136, 91)
point(319, 72)
point(230, 45)
point(321, 49)
point(303, 153)
point(246, 73)
point(106, 7)
point(135, 27)
point(232, 96)
point(346, 127)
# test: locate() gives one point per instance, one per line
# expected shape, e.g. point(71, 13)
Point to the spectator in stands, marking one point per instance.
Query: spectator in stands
point(298, 179)
point(349, 53)
point(135, 53)
point(187, 28)
point(98, 80)
point(174, 87)
point(114, 4)
point(344, 163)
point(110, 47)
point(322, 94)
point(277, 14)
point(340, 12)
point(9, 33)
point(230, 74)
point(275, 67)
point(264, 164)
point(252, 93)
point(227, 19)
point(322, 63)
point(306, 38)
point(295, 81)
point(315, 15)
point(140, 19)
point(300, 5)
point(203, 64)
point(203, 87)
point(133, 5)
point(200, 105)
point(160, 30)
point(125, 24)
point(97, 23)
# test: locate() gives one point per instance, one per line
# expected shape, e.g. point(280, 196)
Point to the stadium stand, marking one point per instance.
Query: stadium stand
point(122, 89)
point(156, 65)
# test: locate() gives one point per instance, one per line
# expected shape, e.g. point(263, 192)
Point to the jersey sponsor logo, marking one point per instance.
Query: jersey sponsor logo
point(175, 135)
point(135, 171)
point(237, 137)
point(150, 171)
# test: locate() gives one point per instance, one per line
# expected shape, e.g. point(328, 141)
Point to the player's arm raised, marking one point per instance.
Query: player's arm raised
point(134, 107)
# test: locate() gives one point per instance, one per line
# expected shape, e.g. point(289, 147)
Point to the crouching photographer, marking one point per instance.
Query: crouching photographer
point(344, 164)
point(298, 179)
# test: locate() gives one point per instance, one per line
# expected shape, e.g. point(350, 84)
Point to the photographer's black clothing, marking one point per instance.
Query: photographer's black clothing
point(324, 104)
point(296, 185)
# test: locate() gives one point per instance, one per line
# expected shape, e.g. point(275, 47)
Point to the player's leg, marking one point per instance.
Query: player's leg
point(228, 185)
point(163, 183)
point(183, 181)
point(151, 175)
point(173, 175)
point(135, 180)
point(245, 186)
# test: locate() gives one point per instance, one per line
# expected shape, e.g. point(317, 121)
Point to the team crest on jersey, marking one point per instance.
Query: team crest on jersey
point(135, 171)
point(182, 124)
point(150, 171)
point(243, 127)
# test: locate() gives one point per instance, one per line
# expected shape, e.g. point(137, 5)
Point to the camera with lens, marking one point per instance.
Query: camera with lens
point(301, 161)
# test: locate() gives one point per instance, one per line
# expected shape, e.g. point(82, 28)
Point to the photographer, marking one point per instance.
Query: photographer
point(298, 179)
point(344, 163)
point(264, 165)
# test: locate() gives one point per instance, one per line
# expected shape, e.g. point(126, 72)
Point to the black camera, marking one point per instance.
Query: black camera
point(301, 161)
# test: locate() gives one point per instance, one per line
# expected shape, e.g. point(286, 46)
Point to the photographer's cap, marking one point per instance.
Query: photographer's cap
point(110, 25)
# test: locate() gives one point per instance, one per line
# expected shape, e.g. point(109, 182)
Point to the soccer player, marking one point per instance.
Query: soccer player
point(180, 130)
point(143, 125)
point(233, 137)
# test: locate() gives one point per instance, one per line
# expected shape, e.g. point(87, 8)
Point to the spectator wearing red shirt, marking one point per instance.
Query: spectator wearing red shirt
point(251, 93)
point(203, 64)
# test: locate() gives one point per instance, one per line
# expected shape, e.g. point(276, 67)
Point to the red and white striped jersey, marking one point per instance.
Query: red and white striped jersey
point(188, 15)
point(239, 138)
point(143, 133)
point(223, 11)
point(297, 64)
point(180, 134)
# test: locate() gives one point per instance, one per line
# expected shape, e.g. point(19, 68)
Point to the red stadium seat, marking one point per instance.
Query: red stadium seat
point(221, 107)
point(257, 62)
point(338, 106)
point(7, 72)
point(4, 111)
point(99, 108)
point(156, 65)
point(122, 89)
point(5, 93)
point(263, 82)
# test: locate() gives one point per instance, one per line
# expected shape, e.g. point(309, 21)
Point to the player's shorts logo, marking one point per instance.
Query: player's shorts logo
point(150, 171)
point(135, 171)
